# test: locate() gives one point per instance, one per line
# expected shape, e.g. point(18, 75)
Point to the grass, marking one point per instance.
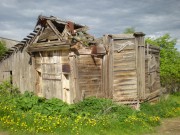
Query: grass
point(29, 114)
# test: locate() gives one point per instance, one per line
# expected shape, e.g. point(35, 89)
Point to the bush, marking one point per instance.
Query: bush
point(164, 108)
point(29, 114)
point(3, 48)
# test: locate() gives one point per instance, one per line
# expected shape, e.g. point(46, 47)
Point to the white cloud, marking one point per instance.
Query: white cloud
point(103, 16)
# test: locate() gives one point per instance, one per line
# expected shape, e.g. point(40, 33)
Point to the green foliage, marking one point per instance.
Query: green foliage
point(3, 48)
point(92, 106)
point(6, 89)
point(29, 114)
point(52, 106)
point(169, 62)
point(164, 108)
point(129, 30)
point(26, 101)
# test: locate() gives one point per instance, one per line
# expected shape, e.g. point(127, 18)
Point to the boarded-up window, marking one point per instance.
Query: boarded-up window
point(66, 68)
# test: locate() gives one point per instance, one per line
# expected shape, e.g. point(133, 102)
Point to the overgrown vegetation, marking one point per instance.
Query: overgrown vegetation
point(169, 62)
point(3, 48)
point(29, 114)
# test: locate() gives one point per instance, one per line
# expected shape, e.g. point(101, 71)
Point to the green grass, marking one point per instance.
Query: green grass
point(29, 114)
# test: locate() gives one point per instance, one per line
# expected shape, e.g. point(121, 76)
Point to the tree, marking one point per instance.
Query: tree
point(169, 62)
point(3, 48)
point(129, 30)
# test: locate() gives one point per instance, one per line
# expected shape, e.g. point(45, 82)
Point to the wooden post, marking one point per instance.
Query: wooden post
point(74, 87)
point(140, 64)
point(110, 67)
point(107, 72)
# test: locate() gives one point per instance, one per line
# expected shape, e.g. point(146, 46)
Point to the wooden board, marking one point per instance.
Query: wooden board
point(124, 69)
point(89, 75)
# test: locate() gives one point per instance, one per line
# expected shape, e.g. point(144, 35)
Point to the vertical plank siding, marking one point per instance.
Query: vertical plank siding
point(23, 74)
point(152, 70)
point(51, 80)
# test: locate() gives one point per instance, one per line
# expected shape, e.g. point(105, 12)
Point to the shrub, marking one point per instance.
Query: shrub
point(164, 108)
point(3, 48)
point(29, 114)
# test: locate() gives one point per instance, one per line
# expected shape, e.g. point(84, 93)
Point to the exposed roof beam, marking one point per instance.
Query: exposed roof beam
point(51, 25)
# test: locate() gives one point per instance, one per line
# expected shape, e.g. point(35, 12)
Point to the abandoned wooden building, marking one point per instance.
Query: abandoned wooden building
point(60, 59)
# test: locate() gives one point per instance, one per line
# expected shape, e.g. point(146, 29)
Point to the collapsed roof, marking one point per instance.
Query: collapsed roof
point(53, 29)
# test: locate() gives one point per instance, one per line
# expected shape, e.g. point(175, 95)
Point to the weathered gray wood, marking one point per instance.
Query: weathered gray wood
point(122, 36)
point(152, 72)
point(89, 73)
point(47, 48)
point(75, 90)
point(51, 25)
point(50, 43)
point(124, 68)
point(105, 67)
point(140, 64)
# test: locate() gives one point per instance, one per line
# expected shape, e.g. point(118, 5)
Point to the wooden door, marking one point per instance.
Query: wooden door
point(51, 74)
point(52, 81)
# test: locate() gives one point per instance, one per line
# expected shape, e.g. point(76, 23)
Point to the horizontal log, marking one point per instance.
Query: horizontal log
point(130, 82)
point(153, 94)
point(127, 64)
point(153, 51)
point(155, 99)
point(124, 52)
point(126, 94)
point(125, 86)
point(117, 69)
point(93, 81)
point(153, 47)
point(51, 43)
point(122, 36)
point(88, 84)
point(48, 48)
point(129, 99)
point(125, 102)
point(127, 48)
point(124, 80)
point(93, 88)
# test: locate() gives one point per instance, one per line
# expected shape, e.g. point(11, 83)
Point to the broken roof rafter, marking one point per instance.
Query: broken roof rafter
point(52, 18)
point(54, 23)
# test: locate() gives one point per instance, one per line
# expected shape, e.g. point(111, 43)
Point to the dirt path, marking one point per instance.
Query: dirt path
point(168, 127)
point(3, 133)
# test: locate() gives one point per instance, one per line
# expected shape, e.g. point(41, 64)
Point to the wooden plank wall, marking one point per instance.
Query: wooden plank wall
point(124, 69)
point(152, 69)
point(52, 80)
point(89, 76)
point(23, 73)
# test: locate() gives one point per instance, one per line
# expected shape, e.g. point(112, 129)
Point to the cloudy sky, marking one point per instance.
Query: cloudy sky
point(153, 17)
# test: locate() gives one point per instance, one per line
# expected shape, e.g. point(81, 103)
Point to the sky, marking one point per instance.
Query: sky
point(153, 17)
